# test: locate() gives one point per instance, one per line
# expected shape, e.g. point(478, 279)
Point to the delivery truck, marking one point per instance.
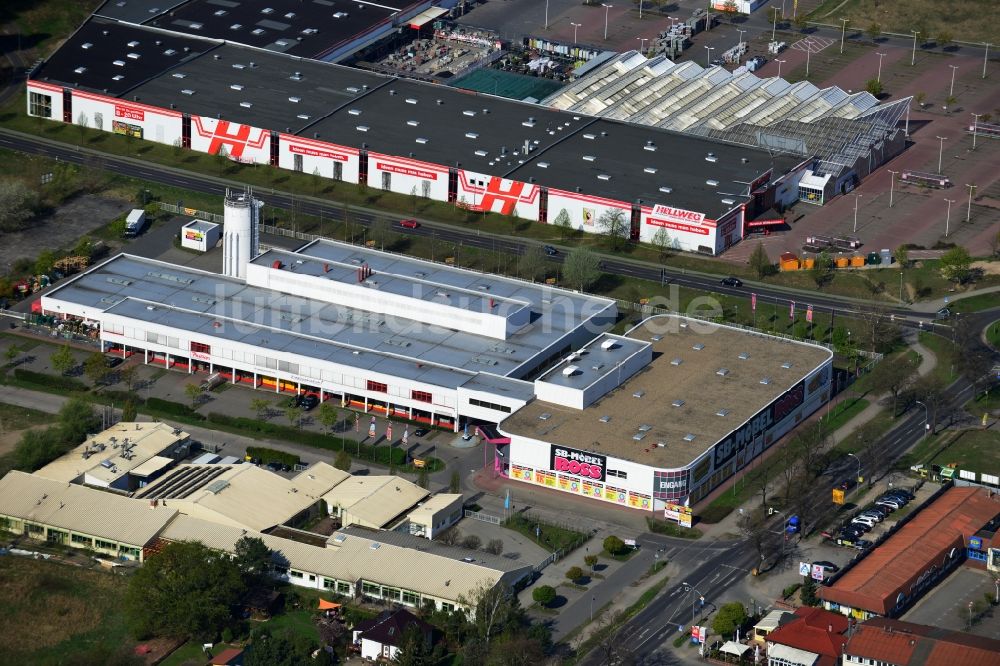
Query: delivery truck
point(135, 223)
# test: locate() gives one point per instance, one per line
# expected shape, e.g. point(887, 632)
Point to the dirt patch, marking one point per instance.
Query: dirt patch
point(62, 229)
point(987, 267)
point(9, 440)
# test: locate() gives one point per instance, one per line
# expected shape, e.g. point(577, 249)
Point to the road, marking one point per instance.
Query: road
point(823, 305)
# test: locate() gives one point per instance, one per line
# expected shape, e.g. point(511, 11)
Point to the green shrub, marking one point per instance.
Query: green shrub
point(614, 546)
point(267, 455)
point(544, 595)
point(170, 408)
point(49, 382)
point(790, 590)
point(574, 574)
point(715, 513)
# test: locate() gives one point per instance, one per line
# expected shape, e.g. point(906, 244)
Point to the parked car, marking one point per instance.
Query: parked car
point(901, 495)
point(943, 313)
point(863, 544)
point(828, 567)
point(879, 511)
point(420, 432)
point(274, 466)
point(890, 501)
point(877, 517)
point(113, 361)
point(731, 281)
point(307, 402)
point(409, 224)
point(865, 521)
point(549, 250)
point(903, 492)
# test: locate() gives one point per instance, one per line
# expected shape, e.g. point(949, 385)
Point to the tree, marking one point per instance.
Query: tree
point(662, 242)
point(253, 559)
point(613, 545)
point(328, 415)
point(282, 648)
point(590, 561)
point(129, 412)
point(185, 591)
point(955, 264)
point(414, 650)
point(950, 100)
point(944, 39)
point(879, 330)
point(574, 574)
point(581, 268)
point(808, 592)
point(127, 376)
point(293, 413)
point(930, 390)
point(760, 263)
point(753, 527)
point(544, 595)
point(564, 224)
point(62, 360)
point(95, 367)
point(343, 461)
point(968, 355)
point(874, 31)
point(729, 9)
point(496, 611)
point(455, 483)
point(11, 353)
point(773, 15)
point(919, 98)
point(874, 86)
point(44, 262)
point(613, 646)
point(613, 223)
point(902, 256)
point(17, 205)
point(260, 406)
point(450, 537)
point(530, 264)
point(494, 546)
point(894, 377)
point(729, 618)
point(193, 393)
point(221, 157)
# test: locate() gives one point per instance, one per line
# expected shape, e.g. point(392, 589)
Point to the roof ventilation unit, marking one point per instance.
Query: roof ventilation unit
point(608, 345)
point(744, 356)
point(677, 361)
point(678, 403)
point(570, 370)
point(722, 372)
point(765, 381)
point(698, 346)
point(605, 419)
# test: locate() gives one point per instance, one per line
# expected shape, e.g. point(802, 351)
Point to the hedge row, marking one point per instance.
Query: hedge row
point(267, 455)
point(49, 382)
point(170, 408)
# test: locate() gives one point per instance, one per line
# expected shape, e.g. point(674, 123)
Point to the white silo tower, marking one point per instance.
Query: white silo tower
point(240, 236)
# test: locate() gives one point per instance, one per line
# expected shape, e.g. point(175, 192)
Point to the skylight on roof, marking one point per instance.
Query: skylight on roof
point(471, 135)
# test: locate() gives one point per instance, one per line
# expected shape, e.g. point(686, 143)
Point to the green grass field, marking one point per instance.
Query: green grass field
point(942, 350)
point(964, 19)
point(973, 450)
point(976, 303)
point(59, 614)
point(993, 334)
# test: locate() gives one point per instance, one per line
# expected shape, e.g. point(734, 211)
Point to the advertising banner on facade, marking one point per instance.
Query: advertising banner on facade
point(670, 484)
point(578, 463)
point(759, 424)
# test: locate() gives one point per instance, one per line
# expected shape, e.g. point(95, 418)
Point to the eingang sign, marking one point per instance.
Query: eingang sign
point(578, 463)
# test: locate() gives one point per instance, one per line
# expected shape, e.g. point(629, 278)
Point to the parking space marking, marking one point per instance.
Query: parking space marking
point(813, 44)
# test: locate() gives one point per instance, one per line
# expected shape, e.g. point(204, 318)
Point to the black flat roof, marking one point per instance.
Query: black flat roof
point(623, 153)
point(107, 56)
point(307, 28)
point(443, 125)
point(136, 11)
point(231, 76)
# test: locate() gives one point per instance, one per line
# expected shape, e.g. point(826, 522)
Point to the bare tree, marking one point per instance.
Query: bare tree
point(930, 390)
point(894, 377)
point(753, 527)
point(615, 225)
point(494, 605)
point(614, 646)
point(879, 329)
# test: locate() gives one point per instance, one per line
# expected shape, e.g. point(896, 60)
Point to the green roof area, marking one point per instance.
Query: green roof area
point(507, 84)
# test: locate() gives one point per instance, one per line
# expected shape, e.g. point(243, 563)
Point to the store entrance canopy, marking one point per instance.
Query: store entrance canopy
point(426, 16)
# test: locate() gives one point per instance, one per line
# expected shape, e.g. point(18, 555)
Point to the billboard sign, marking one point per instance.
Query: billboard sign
point(129, 113)
point(838, 496)
point(679, 513)
point(805, 568)
point(670, 484)
point(817, 572)
point(578, 463)
point(678, 214)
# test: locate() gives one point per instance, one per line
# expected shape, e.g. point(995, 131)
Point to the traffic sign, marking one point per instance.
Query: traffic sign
point(804, 568)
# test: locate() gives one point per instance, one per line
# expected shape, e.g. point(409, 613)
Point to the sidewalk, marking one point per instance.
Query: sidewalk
point(938, 303)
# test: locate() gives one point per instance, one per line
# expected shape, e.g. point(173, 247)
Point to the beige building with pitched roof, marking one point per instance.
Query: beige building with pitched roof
point(373, 501)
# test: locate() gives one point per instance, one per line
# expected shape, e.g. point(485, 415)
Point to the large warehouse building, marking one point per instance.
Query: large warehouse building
point(656, 419)
point(380, 332)
point(472, 150)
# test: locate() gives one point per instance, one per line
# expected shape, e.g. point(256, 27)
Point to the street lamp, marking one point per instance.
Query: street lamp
point(741, 38)
point(843, 31)
point(856, 198)
point(640, 9)
point(546, 14)
point(642, 43)
point(951, 91)
point(774, 24)
point(691, 588)
point(859, 465)
point(927, 425)
point(940, 151)
point(975, 128)
point(968, 211)
point(808, 54)
point(892, 184)
point(947, 220)
point(879, 76)
point(607, 8)
point(913, 57)
point(780, 63)
point(708, 58)
point(575, 26)
point(985, 55)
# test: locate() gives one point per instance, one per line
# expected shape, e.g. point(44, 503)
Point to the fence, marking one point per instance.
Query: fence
point(484, 517)
point(193, 212)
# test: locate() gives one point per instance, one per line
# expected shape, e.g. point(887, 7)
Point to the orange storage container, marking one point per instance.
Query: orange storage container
point(841, 262)
point(808, 263)
point(789, 262)
point(857, 261)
